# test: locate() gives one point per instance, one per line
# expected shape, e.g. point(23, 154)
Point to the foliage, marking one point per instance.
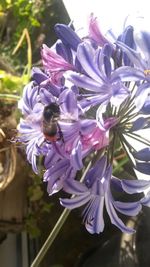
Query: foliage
point(37, 206)
point(15, 16)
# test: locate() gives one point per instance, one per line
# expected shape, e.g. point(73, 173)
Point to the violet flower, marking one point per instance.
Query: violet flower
point(95, 192)
point(101, 92)
point(104, 83)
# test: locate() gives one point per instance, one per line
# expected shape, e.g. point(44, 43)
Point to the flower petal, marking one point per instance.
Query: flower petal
point(133, 55)
point(82, 81)
point(143, 167)
point(94, 221)
point(67, 35)
point(75, 187)
point(76, 156)
point(114, 217)
point(94, 31)
point(75, 202)
point(68, 103)
point(134, 186)
point(85, 55)
point(129, 208)
point(143, 154)
point(146, 200)
point(127, 73)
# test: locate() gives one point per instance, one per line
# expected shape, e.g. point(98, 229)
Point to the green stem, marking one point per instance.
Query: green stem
point(112, 147)
point(120, 164)
point(10, 97)
point(56, 229)
point(51, 238)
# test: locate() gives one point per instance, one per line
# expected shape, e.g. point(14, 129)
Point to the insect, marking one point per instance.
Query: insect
point(50, 123)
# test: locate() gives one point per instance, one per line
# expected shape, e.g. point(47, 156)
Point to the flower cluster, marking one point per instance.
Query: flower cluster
point(91, 98)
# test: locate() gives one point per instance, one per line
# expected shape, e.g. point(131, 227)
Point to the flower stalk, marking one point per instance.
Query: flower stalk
point(58, 226)
point(55, 231)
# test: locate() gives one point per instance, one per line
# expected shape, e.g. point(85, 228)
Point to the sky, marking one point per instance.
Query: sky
point(111, 14)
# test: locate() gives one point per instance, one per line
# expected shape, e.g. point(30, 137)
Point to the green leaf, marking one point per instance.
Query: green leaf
point(47, 207)
point(32, 227)
point(35, 22)
point(37, 193)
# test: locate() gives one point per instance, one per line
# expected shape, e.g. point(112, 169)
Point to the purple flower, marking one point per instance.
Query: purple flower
point(94, 193)
point(89, 102)
point(29, 98)
point(142, 66)
point(57, 173)
point(31, 134)
point(104, 83)
point(54, 64)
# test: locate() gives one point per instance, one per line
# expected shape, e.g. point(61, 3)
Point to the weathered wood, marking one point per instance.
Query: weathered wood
point(13, 200)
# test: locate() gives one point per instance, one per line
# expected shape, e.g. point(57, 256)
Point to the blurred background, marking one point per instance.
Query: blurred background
point(27, 214)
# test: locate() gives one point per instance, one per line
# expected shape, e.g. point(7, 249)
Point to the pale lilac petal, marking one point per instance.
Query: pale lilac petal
point(75, 202)
point(75, 187)
point(91, 101)
point(119, 93)
point(95, 224)
point(97, 171)
point(38, 75)
point(32, 155)
point(146, 107)
point(29, 99)
point(141, 96)
point(143, 154)
point(146, 200)
point(134, 186)
point(82, 81)
point(70, 131)
point(50, 158)
point(46, 96)
point(54, 185)
point(142, 39)
point(128, 39)
point(143, 167)
point(129, 208)
point(85, 55)
point(56, 170)
point(76, 156)
point(114, 217)
point(116, 184)
point(133, 55)
point(138, 124)
point(128, 74)
point(68, 103)
point(107, 66)
point(87, 126)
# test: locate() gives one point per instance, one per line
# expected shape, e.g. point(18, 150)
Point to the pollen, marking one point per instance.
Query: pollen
point(147, 72)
